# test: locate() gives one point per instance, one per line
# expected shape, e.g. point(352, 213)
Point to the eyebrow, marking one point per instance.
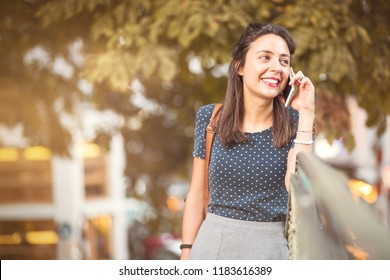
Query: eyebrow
point(267, 51)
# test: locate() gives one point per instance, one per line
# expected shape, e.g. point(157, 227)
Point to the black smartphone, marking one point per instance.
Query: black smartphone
point(287, 90)
point(290, 91)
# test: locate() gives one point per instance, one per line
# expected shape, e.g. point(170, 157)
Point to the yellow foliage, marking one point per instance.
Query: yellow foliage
point(343, 41)
point(103, 26)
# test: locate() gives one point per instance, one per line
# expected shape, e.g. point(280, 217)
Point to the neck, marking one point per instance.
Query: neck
point(257, 116)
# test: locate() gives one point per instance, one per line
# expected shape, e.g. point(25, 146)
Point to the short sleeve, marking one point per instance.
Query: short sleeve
point(202, 119)
point(295, 116)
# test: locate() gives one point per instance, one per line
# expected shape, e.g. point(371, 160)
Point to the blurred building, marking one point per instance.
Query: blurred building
point(54, 207)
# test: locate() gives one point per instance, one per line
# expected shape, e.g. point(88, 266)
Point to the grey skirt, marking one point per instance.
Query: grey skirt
point(221, 238)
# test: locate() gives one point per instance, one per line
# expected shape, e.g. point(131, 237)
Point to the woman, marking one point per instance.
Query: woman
point(253, 154)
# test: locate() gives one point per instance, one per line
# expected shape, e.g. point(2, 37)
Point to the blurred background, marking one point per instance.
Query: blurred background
point(98, 101)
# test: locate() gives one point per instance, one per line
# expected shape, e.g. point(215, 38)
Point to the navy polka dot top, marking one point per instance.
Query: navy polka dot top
point(246, 180)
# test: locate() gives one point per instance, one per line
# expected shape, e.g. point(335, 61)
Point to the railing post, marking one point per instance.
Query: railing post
point(325, 221)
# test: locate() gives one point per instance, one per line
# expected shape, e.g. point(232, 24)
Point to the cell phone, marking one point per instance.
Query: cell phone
point(289, 91)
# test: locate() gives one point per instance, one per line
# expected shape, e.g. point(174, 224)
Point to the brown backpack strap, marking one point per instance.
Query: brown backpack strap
point(210, 133)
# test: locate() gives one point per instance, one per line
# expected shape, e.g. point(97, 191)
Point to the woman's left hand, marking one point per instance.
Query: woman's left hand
point(305, 99)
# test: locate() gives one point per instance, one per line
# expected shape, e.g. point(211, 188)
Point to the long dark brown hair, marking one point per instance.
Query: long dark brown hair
point(232, 113)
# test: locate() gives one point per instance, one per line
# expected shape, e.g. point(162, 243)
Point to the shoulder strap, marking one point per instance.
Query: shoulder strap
point(210, 133)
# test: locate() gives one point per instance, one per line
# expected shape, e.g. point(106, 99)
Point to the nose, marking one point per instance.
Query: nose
point(276, 65)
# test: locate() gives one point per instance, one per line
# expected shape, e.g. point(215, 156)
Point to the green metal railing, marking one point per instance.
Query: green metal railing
point(325, 221)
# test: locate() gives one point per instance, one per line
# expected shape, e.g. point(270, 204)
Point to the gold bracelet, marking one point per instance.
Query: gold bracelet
point(314, 131)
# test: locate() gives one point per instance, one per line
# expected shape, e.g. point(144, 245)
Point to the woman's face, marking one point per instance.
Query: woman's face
point(267, 66)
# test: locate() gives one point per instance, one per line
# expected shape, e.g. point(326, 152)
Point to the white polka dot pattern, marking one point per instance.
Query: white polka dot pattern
point(246, 180)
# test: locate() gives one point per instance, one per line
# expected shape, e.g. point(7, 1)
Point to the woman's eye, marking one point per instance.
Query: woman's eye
point(284, 62)
point(264, 57)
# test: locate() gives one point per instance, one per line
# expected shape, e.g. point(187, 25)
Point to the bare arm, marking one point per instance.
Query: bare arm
point(304, 102)
point(194, 206)
point(305, 128)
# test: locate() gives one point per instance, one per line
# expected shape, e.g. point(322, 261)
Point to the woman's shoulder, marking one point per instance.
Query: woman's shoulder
point(206, 108)
point(205, 111)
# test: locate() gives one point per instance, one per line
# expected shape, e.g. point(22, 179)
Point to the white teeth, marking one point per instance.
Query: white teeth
point(271, 81)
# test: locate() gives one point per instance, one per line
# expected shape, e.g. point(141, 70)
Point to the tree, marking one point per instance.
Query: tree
point(145, 49)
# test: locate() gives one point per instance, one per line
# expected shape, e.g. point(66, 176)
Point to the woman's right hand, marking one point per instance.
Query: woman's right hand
point(193, 214)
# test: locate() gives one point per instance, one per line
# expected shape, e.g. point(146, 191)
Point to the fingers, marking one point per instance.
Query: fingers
point(297, 78)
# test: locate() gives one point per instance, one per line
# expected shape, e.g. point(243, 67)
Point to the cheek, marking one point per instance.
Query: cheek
point(254, 70)
point(285, 76)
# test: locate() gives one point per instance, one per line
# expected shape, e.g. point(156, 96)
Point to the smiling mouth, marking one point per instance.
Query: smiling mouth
point(271, 82)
